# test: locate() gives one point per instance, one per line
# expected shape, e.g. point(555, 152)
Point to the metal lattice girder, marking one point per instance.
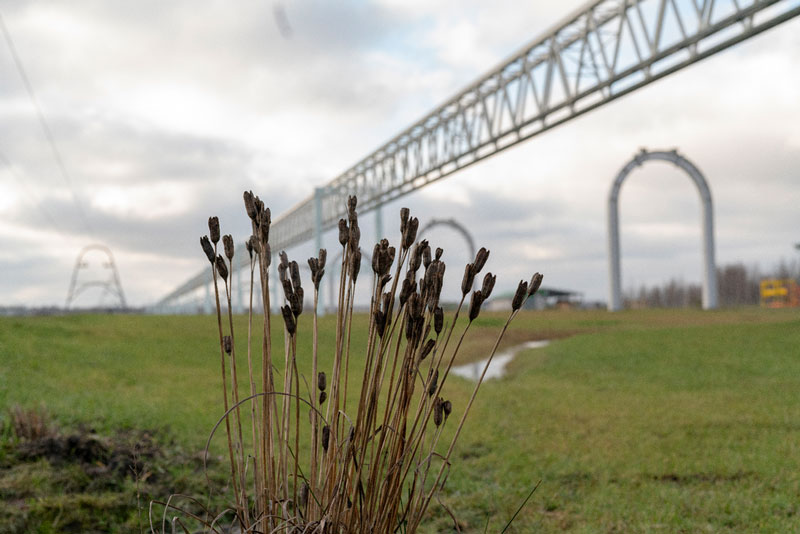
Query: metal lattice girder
point(607, 49)
point(604, 50)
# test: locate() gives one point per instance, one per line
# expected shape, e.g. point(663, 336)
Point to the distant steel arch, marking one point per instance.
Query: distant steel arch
point(457, 226)
point(709, 271)
point(112, 285)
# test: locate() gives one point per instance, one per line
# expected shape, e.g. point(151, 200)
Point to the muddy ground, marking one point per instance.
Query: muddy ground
point(77, 480)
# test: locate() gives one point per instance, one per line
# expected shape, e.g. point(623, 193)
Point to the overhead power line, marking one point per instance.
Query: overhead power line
point(45, 126)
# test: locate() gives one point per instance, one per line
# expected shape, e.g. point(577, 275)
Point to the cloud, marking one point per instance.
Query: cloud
point(165, 112)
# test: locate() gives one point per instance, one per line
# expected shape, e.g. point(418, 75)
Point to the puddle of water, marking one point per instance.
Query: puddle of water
point(472, 371)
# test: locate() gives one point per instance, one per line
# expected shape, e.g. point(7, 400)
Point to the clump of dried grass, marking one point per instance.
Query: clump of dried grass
point(376, 466)
point(30, 424)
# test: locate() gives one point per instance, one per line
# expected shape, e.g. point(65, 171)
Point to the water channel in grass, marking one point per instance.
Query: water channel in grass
point(497, 367)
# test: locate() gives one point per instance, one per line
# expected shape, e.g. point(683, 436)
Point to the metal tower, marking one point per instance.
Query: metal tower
point(111, 284)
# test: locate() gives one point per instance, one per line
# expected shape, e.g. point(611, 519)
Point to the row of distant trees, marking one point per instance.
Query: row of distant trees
point(738, 285)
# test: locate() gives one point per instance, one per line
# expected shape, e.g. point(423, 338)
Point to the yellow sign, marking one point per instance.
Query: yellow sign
point(777, 293)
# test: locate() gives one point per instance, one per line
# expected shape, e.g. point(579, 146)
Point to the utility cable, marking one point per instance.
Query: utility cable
point(45, 126)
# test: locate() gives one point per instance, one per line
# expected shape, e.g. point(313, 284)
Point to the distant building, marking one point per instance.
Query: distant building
point(544, 298)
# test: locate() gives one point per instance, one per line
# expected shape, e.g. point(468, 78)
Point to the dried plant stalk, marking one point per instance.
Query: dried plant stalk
point(368, 463)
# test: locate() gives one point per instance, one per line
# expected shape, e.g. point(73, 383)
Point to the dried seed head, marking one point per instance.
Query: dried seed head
point(322, 397)
point(384, 280)
point(250, 205)
point(376, 253)
point(416, 256)
point(317, 267)
point(344, 232)
point(469, 279)
point(294, 269)
point(249, 246)
point(296, 302)
point(447, 407)
point(438, 320)
point(437, 411)
point(222, 269)
point(284, 259)
point(410, 317)
point(208, 248)
point(488, 285)
point(322, 381)
point(288, 292)
point(355, 265)
point(380, 322)
point(264, 221)
point(426, 256)
point(227, 240)
point(536, 282)
point(413, 307)
point(437, 281)
point(427, 349)
point(383, 257)
point(480, 259)
point(288, 319)
point(355, 236)
point(408, 287)
point(326, 436)
point(519, 296)
point(439, 252)
point(410, 234)
point(404, 214)
point(255, 244)
point(475, 305)
point(434, 382)
point(227, 344)
point(213, 229)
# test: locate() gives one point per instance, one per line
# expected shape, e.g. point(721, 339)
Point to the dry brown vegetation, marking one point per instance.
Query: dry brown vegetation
point(333, 460)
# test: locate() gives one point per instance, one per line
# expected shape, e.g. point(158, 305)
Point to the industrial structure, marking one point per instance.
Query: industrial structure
point(604, 50)
point(110, 284)
point(709, 264)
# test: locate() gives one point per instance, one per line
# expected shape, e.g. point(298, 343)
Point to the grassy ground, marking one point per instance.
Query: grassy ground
point(650, 421)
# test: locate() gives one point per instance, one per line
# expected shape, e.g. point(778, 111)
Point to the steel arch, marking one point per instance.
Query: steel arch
point(457, 226)
point(112, 285)
point(709, 271)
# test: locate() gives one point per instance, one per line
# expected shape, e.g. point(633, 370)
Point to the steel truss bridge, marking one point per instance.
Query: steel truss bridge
point(604, 50)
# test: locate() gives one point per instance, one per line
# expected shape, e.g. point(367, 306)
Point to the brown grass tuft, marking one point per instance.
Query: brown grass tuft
point(372, 459)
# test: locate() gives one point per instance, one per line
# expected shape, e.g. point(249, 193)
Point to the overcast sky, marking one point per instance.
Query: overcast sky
point(164, 112)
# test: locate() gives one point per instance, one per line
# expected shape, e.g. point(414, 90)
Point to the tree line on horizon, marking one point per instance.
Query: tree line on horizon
point(738, 285)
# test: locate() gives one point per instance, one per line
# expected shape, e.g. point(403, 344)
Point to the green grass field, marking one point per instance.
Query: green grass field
point(645, 421)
